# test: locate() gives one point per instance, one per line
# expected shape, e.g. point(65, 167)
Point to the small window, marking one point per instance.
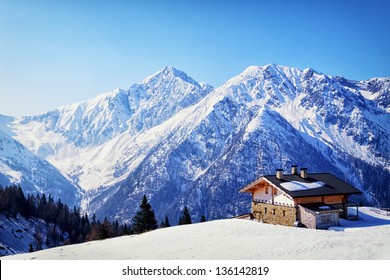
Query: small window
point(284, 213)
point(275, 191)
point(265, 210)
point(273, 211)
point(266, 190)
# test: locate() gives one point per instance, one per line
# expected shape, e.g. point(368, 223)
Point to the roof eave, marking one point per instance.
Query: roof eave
point(297, 195)
point(251, 185)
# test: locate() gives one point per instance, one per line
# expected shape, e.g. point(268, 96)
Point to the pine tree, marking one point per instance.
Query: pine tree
point(13, 202)
point(38, 240)
point(126, 230)
point(185, 218)
point(41, 206)
point(30, 248)
point(144, 220)
point(165, 223)
point(93, 219)
point(106, 230)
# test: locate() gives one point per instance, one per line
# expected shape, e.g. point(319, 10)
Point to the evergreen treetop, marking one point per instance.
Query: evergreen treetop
point(165, 223)
point(144, 220)
point(185, 218)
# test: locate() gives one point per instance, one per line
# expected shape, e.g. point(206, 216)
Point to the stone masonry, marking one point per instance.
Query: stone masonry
point(274, 214)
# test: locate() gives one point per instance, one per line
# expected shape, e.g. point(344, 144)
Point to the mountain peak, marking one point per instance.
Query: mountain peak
point(270, 68)
point(308, 72)
point(169, 73)
point(266, 71)
point(171, 69)
point(274, 70)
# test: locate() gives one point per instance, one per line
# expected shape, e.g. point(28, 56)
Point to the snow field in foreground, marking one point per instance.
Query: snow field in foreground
point(368, 239)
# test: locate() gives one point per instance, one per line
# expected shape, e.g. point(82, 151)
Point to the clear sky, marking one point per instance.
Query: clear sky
point(54, 53)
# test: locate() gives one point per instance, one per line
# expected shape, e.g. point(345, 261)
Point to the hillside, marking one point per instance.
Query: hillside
point(18, 165)
point(368, 238)
point(17, 234)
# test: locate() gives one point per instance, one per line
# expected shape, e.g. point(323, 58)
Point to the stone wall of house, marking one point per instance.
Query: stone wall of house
point(322, 220)
point(306, 217)
point(274, 214)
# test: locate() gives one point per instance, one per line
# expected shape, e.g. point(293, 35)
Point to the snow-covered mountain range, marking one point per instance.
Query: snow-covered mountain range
point(182, 142)
point(18, 165)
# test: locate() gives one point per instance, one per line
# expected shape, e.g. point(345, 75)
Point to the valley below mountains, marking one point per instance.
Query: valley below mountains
point(184, 143)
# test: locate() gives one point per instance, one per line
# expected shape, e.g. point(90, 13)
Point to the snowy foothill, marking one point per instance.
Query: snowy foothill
point(234, 239)
point(18, 233)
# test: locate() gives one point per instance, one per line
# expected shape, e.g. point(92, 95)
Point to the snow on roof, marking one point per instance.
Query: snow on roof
point(301, 186)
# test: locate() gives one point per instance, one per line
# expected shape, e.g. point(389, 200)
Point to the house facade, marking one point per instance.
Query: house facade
point(314, 200)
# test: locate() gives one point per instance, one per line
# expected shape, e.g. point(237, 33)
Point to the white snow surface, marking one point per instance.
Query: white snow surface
point(301, 186)
point(368, 238)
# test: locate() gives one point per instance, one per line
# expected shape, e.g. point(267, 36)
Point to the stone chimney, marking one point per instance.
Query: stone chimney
point(279, 174)
point(294, 169)
point(304, 173)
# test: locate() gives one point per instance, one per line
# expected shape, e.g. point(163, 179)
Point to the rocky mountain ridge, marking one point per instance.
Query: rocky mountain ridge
point(181, 142)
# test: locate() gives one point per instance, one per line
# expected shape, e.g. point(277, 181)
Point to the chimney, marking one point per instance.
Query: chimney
point(294, 169)
point(304, 173)
point(279, 174)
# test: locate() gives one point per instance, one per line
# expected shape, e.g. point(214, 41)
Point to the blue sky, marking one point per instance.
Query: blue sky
point(54, 53)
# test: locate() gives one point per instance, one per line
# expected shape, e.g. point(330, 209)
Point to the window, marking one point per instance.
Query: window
point(265, 210)
point(284, 213)
point(273, 211)
point(275, 191)
point(266, 190)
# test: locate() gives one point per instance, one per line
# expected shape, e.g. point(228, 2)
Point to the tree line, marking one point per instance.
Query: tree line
point(145, 219)
point(70, 226)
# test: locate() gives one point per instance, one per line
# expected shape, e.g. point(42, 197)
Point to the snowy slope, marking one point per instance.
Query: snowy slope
point(368, 239)
point(16, 234)
point(20, 166)
point(181, 142)
point(85, 140)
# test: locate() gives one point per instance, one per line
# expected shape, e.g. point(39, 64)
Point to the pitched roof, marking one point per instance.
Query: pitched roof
point(316, 184)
